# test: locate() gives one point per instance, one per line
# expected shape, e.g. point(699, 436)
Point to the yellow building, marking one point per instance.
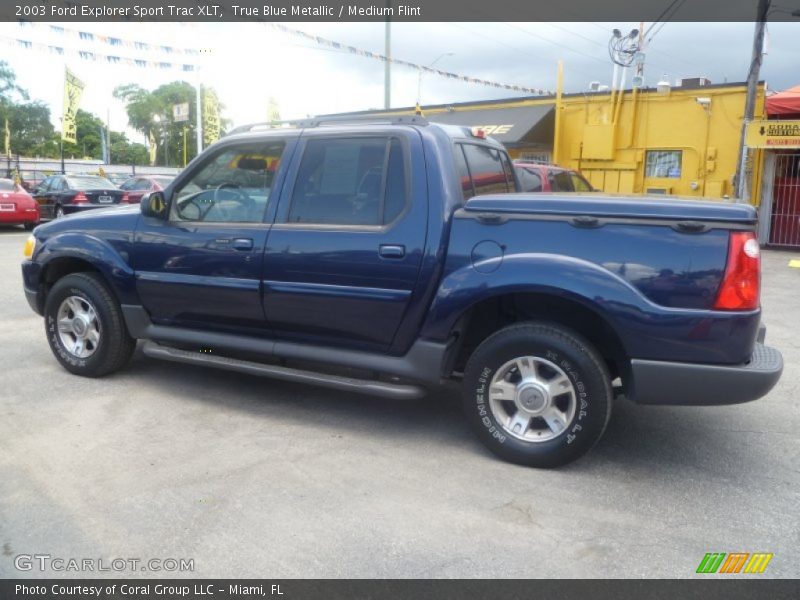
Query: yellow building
point(682, 140)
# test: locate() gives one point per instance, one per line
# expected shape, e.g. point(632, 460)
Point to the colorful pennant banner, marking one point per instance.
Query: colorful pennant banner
point(374, 55)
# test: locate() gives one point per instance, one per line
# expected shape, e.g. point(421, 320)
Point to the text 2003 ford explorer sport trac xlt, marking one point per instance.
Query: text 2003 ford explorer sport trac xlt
point(387, 258)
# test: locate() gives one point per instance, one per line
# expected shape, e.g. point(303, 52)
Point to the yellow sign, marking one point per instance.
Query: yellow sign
point(211, 123)
point(773, 134)
point(73, 90)
point(153, 148)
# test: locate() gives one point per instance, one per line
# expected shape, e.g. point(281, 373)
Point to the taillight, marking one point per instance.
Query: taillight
point(125, 199)
point(80, 198)
point(740, 288)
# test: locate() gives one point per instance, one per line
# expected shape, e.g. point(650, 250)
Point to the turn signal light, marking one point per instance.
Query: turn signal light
point(741, 284)
point(30, 246)
point(80, 198)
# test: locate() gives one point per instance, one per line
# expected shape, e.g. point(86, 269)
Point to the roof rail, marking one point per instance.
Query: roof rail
point(334, 120)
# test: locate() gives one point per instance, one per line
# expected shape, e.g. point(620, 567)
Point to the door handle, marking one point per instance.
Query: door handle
point(243, 244)
point(392, 251)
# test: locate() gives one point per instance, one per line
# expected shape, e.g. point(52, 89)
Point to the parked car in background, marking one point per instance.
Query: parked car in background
point(538, 177)
point(60, 195)
point(138, 186)
point(17, 207)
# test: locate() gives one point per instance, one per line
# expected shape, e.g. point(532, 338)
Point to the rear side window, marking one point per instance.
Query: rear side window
point(487, 170)
point(358, 181)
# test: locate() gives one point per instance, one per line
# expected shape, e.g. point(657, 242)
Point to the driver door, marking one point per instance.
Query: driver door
point(201, 268)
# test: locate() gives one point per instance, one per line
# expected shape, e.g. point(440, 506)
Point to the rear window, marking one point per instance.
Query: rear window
point(489, 174)
point(163, 181)
point(529, 180)
point(89, 182)
point(560, 181)
point(6, 185)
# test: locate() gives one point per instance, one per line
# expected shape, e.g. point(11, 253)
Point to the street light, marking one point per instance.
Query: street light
point(157, 119)
point(421, 72)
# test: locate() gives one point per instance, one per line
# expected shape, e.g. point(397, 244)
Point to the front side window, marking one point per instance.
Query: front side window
point(663, 164)
point(359, 181)
point(233, 187)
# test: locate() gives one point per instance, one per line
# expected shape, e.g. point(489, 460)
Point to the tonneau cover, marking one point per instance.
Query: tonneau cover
point(613, 206)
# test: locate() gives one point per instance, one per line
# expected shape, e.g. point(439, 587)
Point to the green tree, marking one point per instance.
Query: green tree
point(89, 144)
point(32, 133)
point(150, 112)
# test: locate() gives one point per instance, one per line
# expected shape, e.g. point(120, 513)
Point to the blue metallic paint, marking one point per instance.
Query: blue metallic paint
point(652, 284)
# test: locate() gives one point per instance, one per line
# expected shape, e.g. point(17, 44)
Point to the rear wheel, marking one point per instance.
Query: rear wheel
point(537, 394)
point(85, 328)
point(29, 226)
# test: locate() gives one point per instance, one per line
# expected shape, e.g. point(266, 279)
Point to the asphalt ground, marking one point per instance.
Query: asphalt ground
point(251, 477)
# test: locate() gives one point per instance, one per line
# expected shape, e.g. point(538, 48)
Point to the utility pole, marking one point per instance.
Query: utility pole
point(387, 67)
point(740, 181)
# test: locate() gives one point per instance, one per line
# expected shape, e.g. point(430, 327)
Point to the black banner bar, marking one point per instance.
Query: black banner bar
point(381, 10)
point(728, 588)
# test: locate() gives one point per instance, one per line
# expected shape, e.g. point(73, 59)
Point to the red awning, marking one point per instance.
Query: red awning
point(784, 103)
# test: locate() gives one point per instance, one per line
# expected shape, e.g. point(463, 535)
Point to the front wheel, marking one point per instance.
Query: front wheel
point(537, 394)
point(84, 326)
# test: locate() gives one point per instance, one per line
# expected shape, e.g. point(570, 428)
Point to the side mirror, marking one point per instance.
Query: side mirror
point(154, 205)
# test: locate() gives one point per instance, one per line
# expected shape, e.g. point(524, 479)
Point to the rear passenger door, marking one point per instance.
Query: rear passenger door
point(343, 256)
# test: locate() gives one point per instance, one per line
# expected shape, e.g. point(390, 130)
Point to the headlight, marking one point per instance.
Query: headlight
point(30, 246)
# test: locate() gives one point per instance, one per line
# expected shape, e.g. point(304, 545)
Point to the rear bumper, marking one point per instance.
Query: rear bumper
point(19, 217)
point(690, 384)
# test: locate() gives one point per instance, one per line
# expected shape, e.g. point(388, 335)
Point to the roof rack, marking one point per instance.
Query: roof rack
point(334, 120)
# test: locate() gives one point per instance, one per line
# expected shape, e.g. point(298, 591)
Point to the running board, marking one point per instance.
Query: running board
point(349, 384)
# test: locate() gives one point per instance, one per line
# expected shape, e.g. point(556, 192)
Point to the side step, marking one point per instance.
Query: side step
point(360, 386)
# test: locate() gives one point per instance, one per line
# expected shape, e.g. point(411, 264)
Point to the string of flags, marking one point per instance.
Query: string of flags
point(187, 65)
point(92, 56)
point(377, 56)
point(87, 36)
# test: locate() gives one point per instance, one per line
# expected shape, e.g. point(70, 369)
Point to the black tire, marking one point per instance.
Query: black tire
point(29, 226)
point(115, 345)
point(581, 364)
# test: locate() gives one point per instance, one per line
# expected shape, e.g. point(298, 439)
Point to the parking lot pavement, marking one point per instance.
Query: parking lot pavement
point(253, 477)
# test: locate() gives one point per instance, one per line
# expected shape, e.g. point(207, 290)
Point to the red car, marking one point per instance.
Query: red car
point(139, 186)
point(17, 207)
point(538, 177)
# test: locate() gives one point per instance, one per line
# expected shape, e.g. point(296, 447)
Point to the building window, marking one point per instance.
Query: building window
point(665, 164)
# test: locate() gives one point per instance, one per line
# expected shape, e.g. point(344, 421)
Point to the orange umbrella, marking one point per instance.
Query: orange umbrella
point(785, 103)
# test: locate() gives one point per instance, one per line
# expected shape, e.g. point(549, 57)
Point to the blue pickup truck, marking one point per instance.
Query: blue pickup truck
point(389, 258)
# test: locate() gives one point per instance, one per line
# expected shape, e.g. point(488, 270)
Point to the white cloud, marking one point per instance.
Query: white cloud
point(249, 62)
